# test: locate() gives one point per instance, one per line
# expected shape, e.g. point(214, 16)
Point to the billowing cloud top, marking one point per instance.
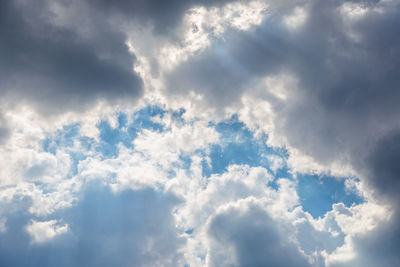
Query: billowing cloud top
point(199, 133)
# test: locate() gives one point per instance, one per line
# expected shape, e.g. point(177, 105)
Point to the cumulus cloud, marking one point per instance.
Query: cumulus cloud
point(45, 231)
point(101, 183)
point(253, 237)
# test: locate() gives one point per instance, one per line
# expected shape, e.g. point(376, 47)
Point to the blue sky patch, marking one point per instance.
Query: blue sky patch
point(318, 193)
point(239, 146)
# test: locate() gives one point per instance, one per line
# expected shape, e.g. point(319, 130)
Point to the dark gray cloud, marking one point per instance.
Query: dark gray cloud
point(377, 248)
point(60, 66)
point(163, 15)
point(384, 167)
point(381, 167)
point(257, 240)
point(134, 228)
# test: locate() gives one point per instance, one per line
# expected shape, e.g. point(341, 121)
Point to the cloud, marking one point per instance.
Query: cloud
point(45, 231)
point(163, 15)
point(149, 160)
point(103, 229)
point(381, 168)
point(339, 92)
point(378, 247)
point(66, 55)
point(254, 238)
point(320, 78)
point(4, 129)
point(338, 105)
point(384, 170)
point(335, 95)
point(61, 56)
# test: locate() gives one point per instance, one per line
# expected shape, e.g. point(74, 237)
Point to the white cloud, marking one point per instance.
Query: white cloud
point(165, 147)
point(243, 233)
point(45, 231)
point(296, 19)
point(275, 162)
point(201, 25)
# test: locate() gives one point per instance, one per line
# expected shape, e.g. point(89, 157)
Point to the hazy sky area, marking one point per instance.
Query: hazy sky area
point(200, 133)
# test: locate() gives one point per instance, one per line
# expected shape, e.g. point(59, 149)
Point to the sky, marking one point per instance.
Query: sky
point(200, 133)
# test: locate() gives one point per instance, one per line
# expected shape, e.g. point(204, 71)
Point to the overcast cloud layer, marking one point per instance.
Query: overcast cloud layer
point(199, 133)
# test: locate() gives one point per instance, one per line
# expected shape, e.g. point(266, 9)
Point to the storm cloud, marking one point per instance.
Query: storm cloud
point(58, 66)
